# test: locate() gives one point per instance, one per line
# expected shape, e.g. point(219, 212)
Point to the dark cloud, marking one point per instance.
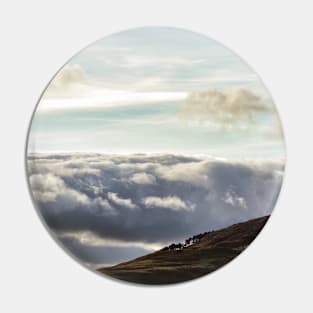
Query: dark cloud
point(151, 199)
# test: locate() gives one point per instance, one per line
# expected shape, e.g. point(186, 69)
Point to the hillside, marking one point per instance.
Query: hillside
point(213, 250)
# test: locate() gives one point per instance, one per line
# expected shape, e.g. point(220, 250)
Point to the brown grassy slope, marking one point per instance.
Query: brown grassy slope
point(213, 251)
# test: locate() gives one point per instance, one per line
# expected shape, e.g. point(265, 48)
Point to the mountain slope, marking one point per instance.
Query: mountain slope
point(214, 249)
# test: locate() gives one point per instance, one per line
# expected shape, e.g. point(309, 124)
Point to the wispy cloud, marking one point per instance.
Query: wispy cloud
point(72, 89)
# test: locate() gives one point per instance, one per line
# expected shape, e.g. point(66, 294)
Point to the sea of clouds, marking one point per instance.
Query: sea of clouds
point(106, 209)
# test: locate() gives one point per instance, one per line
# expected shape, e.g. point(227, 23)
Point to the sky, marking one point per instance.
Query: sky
point(150, 136)
point(157, 90)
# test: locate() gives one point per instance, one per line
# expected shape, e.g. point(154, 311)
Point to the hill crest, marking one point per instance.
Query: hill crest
point(207, 252)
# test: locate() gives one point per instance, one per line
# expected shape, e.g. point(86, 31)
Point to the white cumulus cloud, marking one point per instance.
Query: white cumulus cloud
point(121, 201)
point(143, 179)
point(223, 107)
point(171, 202)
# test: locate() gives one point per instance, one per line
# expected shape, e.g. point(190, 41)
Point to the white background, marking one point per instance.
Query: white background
point(275, 273)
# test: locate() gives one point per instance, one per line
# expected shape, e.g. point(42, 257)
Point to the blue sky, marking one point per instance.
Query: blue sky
point(157, 90)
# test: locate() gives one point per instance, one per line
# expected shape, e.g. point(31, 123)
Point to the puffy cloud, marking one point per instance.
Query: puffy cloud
point(142, 179)
point(172, 203)
point(93, 193)
point(222, 107)
point(127, 203)
point(50, 188)
point(102, 206)
point(67, 82)
point(234, 200)
point(46, 187)
point(181, 172)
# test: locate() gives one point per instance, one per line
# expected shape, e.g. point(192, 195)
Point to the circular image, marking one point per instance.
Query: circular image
point(155, 156)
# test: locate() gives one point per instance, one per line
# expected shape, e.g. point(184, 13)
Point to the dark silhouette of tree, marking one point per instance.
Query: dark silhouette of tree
point(172, 246)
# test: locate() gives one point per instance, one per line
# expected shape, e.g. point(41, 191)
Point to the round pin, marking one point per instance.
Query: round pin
point(155, 156)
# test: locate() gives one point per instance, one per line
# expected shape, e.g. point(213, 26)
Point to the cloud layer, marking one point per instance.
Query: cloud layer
point(139, 202)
